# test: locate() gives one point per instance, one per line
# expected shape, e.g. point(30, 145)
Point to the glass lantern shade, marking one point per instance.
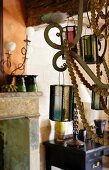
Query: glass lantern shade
point(96, 101)
point(69, 33)
point(107, 102)
point(89, 48)
point(61, 103)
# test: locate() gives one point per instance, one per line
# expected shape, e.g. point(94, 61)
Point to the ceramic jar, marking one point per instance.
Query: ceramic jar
point(30, 82)
point(20, 83)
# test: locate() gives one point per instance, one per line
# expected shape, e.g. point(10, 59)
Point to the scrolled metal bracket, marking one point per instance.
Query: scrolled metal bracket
point(54, 62)
point(56, 46)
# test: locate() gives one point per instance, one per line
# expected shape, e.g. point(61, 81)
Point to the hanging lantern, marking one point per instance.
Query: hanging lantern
point(61, 102)
point(96, 101)
point(69, 33)
point(89, 48)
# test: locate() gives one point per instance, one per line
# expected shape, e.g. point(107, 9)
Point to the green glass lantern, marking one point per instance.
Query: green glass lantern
point(61, 103)
point(89, 48)
point(96, 101)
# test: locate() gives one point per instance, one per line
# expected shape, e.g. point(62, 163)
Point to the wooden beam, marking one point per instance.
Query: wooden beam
point(35, 9)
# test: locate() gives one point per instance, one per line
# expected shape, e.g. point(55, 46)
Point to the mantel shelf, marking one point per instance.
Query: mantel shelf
point(19, 104)
point(21, 94)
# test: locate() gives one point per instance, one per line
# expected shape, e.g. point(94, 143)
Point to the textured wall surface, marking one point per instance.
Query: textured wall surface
point(14, 28)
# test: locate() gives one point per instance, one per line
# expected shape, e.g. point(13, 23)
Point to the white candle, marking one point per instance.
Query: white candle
point(29, 31)
point(10, 46)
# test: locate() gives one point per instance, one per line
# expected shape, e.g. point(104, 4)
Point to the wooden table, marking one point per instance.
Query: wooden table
point(60, 155)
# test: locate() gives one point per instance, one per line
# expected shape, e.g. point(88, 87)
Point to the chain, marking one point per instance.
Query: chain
point(80, 104)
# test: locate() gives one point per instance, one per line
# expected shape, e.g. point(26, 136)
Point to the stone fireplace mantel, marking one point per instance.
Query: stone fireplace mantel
point(16, 105)
point(19, 131)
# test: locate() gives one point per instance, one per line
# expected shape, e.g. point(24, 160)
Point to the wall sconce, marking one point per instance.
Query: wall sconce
point(61, 103)
point(21, 66)
point(14, 82)
point(10, 47)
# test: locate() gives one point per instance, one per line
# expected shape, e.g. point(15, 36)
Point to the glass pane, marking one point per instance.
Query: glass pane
point(58, 103)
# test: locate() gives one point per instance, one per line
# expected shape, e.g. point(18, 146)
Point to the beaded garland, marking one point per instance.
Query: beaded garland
point(97, 13)
point(72, 68)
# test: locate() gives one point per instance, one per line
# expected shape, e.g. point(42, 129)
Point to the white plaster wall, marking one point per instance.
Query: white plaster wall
point(40, 63)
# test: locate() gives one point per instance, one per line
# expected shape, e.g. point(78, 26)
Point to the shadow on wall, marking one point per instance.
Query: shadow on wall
point(45, 130)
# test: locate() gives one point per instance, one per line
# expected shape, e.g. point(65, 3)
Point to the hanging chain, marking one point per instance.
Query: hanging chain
point(71, 67)
point(97, 13)
point(80, 105)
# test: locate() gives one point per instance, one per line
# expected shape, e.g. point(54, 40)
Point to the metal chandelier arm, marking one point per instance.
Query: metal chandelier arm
point(46, 35)
point(89, 71)
point(106, 68)
point(54, 62)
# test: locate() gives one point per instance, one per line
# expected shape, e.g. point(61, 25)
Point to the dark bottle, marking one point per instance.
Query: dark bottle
point(9, 79)
point(100, 126)
point(82, 135)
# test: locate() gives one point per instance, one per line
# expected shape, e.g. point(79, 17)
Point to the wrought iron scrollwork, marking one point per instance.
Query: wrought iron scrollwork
point(104, 50)
point(21, 66)
point(56, 46)
point(54, 62)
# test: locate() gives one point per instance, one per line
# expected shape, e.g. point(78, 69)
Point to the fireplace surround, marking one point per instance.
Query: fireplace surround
point(19, 131)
